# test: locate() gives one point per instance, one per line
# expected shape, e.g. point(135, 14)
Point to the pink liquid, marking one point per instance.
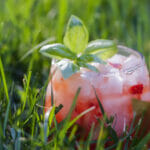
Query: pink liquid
point(124, 77)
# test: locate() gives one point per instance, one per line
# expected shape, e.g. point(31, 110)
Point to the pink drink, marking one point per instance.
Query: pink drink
point(124, 77)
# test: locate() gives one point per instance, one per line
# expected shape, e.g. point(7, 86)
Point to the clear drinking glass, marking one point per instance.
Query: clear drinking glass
point(122, 78)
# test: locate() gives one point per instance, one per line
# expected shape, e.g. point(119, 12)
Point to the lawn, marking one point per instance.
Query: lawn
point(25, 26)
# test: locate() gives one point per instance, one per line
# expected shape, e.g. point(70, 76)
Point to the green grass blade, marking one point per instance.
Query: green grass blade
point(87, 144)
point(119, 147)
point(73, 105)
point(66, 124)
point(4, 81)
point(33, 124)
point(1, 131)
point(72, 134)
point(18, 142)
point(80, 115)
point(49, 115)
point(130, 132)
point(52, 95)
point(27, 89)
point(99, 102)
point(37, 47)
point(6, 118)
point(7, 97)
point(62, 10)
point(99, 143)
point(142, 143)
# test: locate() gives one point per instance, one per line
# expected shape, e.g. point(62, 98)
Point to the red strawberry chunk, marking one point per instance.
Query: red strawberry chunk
point(136, 89)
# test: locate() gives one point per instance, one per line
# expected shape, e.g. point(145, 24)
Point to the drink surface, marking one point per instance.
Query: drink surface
point(124, 77)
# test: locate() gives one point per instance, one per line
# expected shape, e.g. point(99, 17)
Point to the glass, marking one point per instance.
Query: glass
point(122, 78)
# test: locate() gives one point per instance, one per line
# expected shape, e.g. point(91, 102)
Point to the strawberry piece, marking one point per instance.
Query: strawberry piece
point(116, 65)
point(136, 89)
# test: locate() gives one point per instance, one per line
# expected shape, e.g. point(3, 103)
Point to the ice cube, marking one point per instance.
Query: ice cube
point(117, 59)
point(142, 75)
point(103, 68)
point(139, 76)
point(131, 64)
point(113, 84)
point(77, 81)
point(134, 71)
point(129, 80)
point(106, 80)
point(92, 77)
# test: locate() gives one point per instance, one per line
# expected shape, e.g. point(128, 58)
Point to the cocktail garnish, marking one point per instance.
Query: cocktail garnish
point(77, 51)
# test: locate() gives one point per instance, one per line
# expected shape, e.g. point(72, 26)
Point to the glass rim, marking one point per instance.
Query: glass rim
point(131, 69)
point(135, 52)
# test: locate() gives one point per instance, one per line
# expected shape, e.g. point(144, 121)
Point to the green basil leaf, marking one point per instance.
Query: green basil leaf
point(102, 48)
point(87, 58)
point(58, 51)
point(88, 66)
point(67, 68)
point(76, 36)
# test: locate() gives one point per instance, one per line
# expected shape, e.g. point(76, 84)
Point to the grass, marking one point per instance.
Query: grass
point(27, 25)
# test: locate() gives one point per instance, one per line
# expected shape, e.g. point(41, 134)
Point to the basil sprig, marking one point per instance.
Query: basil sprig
point(102, 48)
point(76, 36)
point(76, 52)
point(58, 51)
